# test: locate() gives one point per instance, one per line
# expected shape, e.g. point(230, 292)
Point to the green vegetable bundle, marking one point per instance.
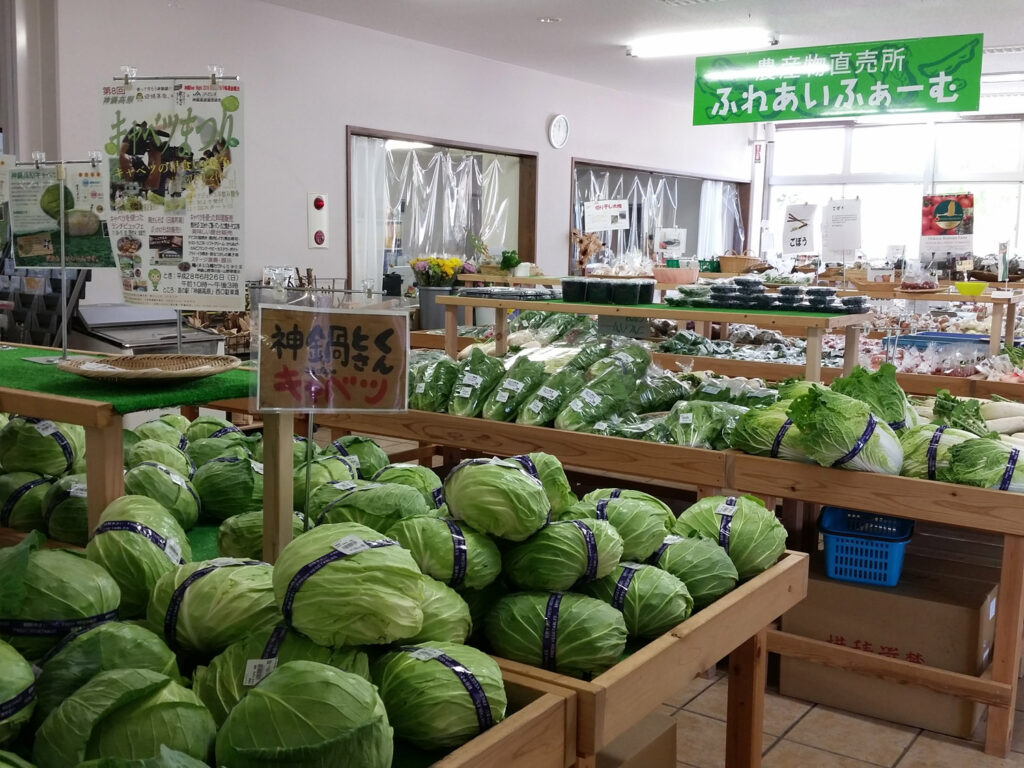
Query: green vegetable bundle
point(479, 373)
point(229, 486)
point(66, 510)
point(167, 488)
point(984, 463)
point(702, 424)
point(446, 617)
point(375, 505)
point(628, 355)
point(423, 479)
point(881, 393)
point(21, 500)
point(961, 414)
point(242, 535)
point(433, 386)
point(449, 551)
point(545, 404)
point(604, 394)
point(748, 531)
point(370, 457)
point(700, 564)
point(926, 449)
point(42, 446)
point(563, 553)
point(522, 379)
point(652, 601)
point(768, 432)
point(658, 390)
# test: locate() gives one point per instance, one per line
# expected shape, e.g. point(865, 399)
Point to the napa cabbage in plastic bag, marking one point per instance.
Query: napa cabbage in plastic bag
point(423, 479)
point(641, 526)
point(446, 617)
point(433, 386)
point(652, 600)
point(440, 695)
point(926, 449)
point(449, 551)
point(347, 584)
point(242, 535)
point(170, 490)
point(702, 565)
point(545, 404)
point(750, 533)
point(161, 431)
point(629, 358)
point(522, 379)
point(478, 375)
point(548, 469)
point(702, 424)
point(566, 633)
point(66, 510)
point(42, 446)
point(563, 553)
point(555, 327)
point(497, 497)
point(17, 693)
point(984, 463)
point(370, 457)
point(768, 432)
point(229, 486)
point(21, 500)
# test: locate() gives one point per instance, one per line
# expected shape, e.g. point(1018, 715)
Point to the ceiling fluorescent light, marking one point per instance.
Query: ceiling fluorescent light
point(700, 42)
point(1003, 77)
point(391, 144)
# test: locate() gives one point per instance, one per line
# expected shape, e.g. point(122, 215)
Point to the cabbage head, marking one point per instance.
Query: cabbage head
point(440, 695)
point(497, 497)
point(21, 500)
point(566, 633)
point(66, 510)
point(481, 601)
point(324, 494)
point(161, 431)
point(926, 449)
point(548, 469)
point(124, 713)
point(167, 758)
point(561, 554)
point(749, 532)
point(326, 469)
point(201, 608)
point(652, 601)
point(160, 453)
point(375, 505)
point(626, 493)
point(137, 541)
point(229, 486)
point(306, 715)
point(55, 591)
point(211, 426)
point(45, 447)
point(446, 617)
point(359, 587)
point(169, 489)
point(242, 535)
point(111, 645)
point(370, 457)
point(17, 694)
point(176, 420)
point(230, 676)
point(700, 564)
point(423, 479)
point(449, 551)
point(210, 448)
point(641, 525)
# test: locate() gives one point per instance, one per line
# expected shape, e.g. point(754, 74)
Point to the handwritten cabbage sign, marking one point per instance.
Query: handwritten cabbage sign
point(314, 359)
point(927, 74)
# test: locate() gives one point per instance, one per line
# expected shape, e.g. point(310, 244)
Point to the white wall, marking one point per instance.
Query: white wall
point(305, 78)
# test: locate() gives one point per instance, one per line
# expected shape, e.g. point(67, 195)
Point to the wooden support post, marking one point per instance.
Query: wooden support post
point(723, 331)
point(104, 471)
point(1007, 646)
point(852, 351)
point(278, 505)
point(500, 331)
point(747, 678)
point(995, 333)
point(813, 352)
point(792, 518)
point(190, 412)
point(1011, 324)
point(451, 331)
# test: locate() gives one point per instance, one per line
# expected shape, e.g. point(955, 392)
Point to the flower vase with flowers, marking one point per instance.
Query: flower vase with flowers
point(436, 271)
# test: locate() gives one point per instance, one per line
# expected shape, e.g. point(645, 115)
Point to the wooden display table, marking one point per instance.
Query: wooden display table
point(536, 281)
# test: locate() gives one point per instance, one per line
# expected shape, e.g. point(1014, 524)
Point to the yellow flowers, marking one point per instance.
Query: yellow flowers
point(436, 270)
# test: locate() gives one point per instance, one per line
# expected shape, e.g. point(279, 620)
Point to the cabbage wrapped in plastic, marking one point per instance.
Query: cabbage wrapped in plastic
point(21, 500)
point(478, 375)
point(423, 479)
point(307, 714)
point(984, 463)
point(433, 386)
point(430, 698)
point(137, 541)
point(229, 486)
point(347, 584)
point(548, 469)
point(66, 509)
point(370, 457)
point(124, 713)
point(654, 503)
point(521, 380)
point(242, 535)
point(47, 593)
point(768, 432)
point(839, 431)
point(446, 617)
point(162, 432)
point(640, 525)
point(629, 358)
point(209, 448)
point(375, 505)
point(563, 553)
point(449, 551)
point(42, 446)
point(211, 426)
point(497, 497)
point(702, 565)
point(658, 390)
point(702, 424)
point(322, 470)
point(749, 532)
point(170, 490)
point(566, 633)
point(926, 449)
point(603, 395)
point(652, 601)
point(203, 607)
point(231, 674)
point(154, 451)
point(17, 693)
point(111, 645)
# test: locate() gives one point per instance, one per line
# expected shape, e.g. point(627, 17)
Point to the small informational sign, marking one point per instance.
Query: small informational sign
point(630, 327)
point(840, 225)
point(670, 242)
point(603, 215)
point(332, 360)
point(947, 224)
point(798, 232)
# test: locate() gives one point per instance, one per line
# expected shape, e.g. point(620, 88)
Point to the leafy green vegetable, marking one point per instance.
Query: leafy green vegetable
point(209, 448)
point(166, 487)
point(926, 448)
point(700, 564)
point(961, 414)
point(242, 535)
point(154, 451)
point(521, 380)
point(604, 394)
point(211, 426)
point(176, 420)
point(768, 432)
point(66, 510)
point(588, 635)
point(433, 386)
point(652, 601)
point(655, 504)
point(882, 394)
point(376, 505)
point(434, 543)
point(497, 497)
point(229, 486)
point(370, 457)
point(544, 405)
point(167, 758)
point(306, 714)
point(45, 447)
point(372, 595)
point(748, 531)
point(791, 389)
point(446, 617)
point(984, 463)
point(628, 356)
point(640, 525)
point(162, 432)
point(16, 692)
point(548, 469)
point(563, 553)
point(11, 760)
point(429, 703)
point(322, 470)
point(702, 424)
point(21, 500)
point(658, 391)
point(423, 479)
point(478, 375)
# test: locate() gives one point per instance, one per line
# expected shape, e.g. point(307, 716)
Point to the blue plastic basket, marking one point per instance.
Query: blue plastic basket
point(862, 547)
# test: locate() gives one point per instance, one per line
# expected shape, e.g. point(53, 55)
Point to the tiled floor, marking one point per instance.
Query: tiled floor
point(802, 735)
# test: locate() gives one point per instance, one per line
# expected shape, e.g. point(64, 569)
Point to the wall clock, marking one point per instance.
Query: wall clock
point(558, 131)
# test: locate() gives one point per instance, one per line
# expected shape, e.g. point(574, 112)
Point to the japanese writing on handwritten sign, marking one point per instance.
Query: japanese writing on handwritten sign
point(314, 359)
point(928, 74)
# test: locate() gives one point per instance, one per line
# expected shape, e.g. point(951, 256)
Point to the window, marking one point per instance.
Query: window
point(967, 151)
point(818, 152)
point(889, 149)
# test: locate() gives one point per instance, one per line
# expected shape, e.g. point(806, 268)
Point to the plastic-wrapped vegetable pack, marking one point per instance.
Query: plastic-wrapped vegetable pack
point(433, 386)
point(545, 404)
point(604, 394)
point(478, 375)
point(522, 379)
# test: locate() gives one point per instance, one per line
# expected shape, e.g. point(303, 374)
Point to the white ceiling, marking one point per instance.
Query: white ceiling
point(589, 43)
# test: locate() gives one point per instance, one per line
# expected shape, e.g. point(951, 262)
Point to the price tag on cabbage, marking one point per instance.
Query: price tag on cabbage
point(256, 670)
point(46, 428)
point(591, 397)
point(425, 654)
point(343, 485)
point(547, 393)
point(173, 551)
point(502, 396)
point(472, 379)
point(350, 545)
point(727, 508)
point(78, 491)
point(257, 468)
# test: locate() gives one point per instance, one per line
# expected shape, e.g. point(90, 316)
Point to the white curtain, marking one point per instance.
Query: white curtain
point(369, 206)
point(721, 225)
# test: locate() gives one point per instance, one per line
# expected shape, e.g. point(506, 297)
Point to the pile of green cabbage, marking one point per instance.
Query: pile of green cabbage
point(242, 535)
point(21, 500)
point(66, 510)
point(449, 551)
point(652, 601)
point(155, 451)
point(563, 553)
point(748, 532)
point(172, 491)
point(17, 693)
point(229, 486)
point(375, 505)
point(423, 479)
point(702, 565)
point(497, 497)
point(36, 445)
point(369, 457)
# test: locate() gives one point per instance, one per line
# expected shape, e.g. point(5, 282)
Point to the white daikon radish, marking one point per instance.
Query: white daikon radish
point(1017, 441)
point(999, 409)
point(1006, 426)
point(924, 412)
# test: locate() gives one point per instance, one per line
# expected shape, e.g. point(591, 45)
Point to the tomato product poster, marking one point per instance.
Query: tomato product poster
point(947, 224)
point(175, 150)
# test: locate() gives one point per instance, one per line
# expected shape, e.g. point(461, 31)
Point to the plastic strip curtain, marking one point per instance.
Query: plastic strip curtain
point(721, 225)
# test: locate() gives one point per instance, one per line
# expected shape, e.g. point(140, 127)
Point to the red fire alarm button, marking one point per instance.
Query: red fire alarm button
point(319, 203)
point(319, 237)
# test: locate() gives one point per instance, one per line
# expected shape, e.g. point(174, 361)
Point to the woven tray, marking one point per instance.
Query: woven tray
point(145, 368)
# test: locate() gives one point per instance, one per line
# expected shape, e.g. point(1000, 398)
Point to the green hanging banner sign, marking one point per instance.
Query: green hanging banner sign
point(925, 74)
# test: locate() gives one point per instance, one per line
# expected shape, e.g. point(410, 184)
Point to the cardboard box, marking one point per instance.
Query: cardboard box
point(651, 743)
point(933, 617)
